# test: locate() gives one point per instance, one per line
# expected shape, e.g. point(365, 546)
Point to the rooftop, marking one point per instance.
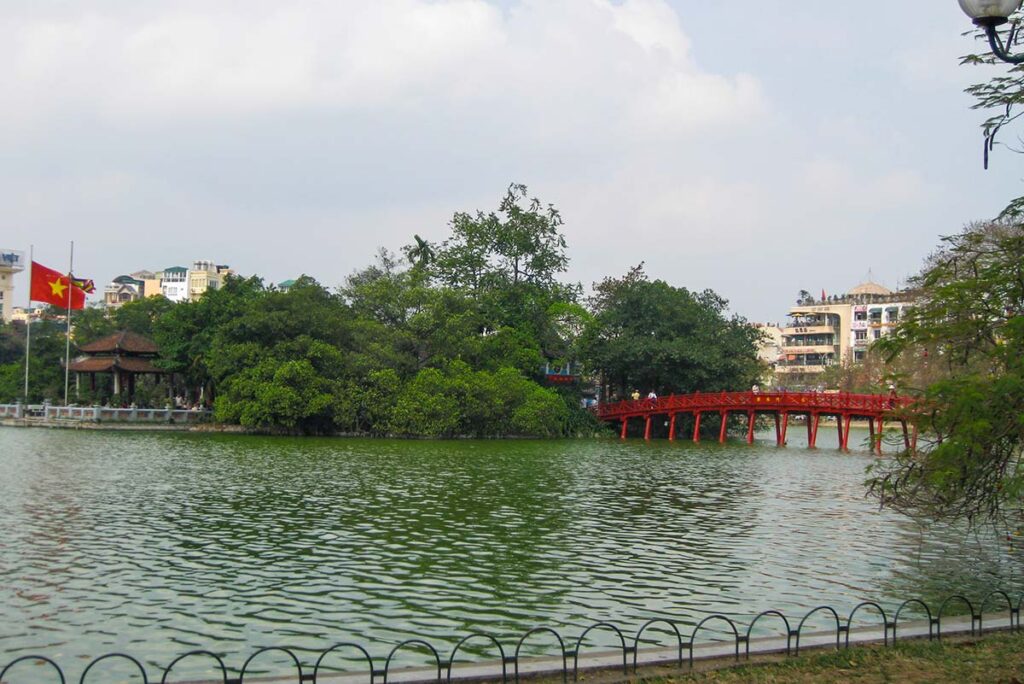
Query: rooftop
point(121, 342)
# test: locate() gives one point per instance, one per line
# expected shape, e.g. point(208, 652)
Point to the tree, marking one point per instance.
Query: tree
point(519, 244)
point(1001, 95)
point(649, 335)
point(969, 318)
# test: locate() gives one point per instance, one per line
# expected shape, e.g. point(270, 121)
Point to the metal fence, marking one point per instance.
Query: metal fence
point(42, 669)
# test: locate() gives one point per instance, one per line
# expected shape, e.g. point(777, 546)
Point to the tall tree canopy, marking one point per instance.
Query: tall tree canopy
point(969, 324)
point(650, 335)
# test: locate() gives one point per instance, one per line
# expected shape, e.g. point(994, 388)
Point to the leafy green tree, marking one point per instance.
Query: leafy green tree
point(970, 319)
point(649, 335)
point(46, 365)
point(519, 244)
point(89, 325)
point(141, 315)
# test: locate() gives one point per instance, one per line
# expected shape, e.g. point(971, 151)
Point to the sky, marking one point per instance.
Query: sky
point(753, 148)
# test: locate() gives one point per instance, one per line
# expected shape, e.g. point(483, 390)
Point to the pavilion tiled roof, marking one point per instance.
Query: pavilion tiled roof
point(122, 342)
point(107, 364)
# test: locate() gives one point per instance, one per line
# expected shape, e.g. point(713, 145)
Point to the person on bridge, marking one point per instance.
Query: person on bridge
point(636, 395)
point(652, 397)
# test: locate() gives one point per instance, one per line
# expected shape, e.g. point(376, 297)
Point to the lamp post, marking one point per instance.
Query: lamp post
point(989, 15)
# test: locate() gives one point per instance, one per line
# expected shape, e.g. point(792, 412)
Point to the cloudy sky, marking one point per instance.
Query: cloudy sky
point(755, 148)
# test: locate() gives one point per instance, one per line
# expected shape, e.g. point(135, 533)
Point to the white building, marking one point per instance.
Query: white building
point(11, 262)
point(174, 283)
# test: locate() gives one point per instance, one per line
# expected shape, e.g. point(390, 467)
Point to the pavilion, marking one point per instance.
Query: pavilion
point(125, 355)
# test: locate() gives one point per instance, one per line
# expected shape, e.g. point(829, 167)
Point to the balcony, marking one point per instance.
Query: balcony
point(799, 369)
point(810, 349)
point(810, 330)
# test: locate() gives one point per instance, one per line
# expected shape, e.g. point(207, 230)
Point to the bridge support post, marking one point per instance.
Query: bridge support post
point(721, 431)
point(625, 424)
point(877, 444)
point(672, 428)
point(812, 434)
point(839, 429)
point(845, 442)
point(647, 428)
point(785, 427)
point(750, 427)
point(696, 427)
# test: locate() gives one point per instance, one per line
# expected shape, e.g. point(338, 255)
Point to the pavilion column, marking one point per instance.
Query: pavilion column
point(117, 382)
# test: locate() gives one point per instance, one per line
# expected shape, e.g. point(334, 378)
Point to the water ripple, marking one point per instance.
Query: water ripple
point(160, 543)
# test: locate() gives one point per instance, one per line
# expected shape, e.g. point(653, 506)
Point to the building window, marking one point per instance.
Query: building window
point(860, 334)
point(877, 333)
point(860, 315)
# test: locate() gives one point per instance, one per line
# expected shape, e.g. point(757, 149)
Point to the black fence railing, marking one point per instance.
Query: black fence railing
point(40, 669)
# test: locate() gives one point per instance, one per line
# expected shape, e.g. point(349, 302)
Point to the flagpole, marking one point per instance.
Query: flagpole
point(67, 348)
point(28, 317)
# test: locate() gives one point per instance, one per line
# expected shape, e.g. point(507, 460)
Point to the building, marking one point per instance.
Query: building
point(177, 283)
point(206, 275)
point(25, 314)
point(121, 290)
point(839, 329)
point(150, 282)
point(769, 348)
point(174, 283)
point(11, 262)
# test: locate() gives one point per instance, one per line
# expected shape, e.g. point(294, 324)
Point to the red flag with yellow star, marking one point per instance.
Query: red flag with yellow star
point(53, 287)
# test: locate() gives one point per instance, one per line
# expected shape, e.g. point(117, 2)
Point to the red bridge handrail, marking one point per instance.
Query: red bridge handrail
point(793, 402)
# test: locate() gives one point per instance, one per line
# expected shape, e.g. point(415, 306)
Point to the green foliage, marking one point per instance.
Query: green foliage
point(969, 318)
point(519, 244)
point(450, 341)
point(649, 335)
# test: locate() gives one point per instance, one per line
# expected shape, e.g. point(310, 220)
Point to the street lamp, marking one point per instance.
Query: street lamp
point(989, 14)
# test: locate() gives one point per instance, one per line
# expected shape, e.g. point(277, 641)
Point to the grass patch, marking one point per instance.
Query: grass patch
point(996, 658)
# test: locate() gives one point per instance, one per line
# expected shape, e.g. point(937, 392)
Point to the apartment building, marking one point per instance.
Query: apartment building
point(833, 330)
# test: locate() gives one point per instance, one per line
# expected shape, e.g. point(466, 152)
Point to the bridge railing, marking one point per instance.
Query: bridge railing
point(794, 402)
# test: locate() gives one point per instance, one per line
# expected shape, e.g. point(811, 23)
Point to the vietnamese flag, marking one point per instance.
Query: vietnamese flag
point(53, 287)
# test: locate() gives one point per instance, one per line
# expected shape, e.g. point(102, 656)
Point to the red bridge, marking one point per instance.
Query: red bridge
point(844, 407)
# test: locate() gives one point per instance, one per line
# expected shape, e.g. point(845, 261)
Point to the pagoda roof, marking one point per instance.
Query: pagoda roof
point(121, 342)
point(107, 364)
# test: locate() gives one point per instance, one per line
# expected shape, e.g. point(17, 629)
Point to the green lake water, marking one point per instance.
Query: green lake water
point(155, 544)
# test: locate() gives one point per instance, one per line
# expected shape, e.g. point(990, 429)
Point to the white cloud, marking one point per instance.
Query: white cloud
point(288, 137)
point(587, 63)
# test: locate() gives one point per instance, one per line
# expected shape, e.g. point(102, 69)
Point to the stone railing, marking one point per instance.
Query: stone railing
point(101, 414)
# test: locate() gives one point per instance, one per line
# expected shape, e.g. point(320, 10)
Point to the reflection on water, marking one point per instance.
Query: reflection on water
point(155, 544)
